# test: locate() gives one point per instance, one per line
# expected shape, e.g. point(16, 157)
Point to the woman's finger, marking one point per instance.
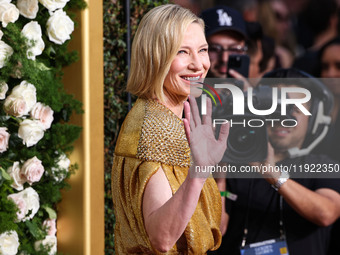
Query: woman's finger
point(186, 120)
point(224, 133)
point(206, 118)
point(194, 116)
point(187, 129)
point(187, 110)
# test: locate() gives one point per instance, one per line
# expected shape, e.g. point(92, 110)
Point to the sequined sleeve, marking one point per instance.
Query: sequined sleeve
point(152, 137)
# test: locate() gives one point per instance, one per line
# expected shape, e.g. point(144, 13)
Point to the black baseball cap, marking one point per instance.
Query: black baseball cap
point(223, 18)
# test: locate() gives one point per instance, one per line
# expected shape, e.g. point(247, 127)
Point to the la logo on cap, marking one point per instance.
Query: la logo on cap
point(223, 18)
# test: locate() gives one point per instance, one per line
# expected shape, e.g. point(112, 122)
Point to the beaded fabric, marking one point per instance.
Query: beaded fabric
point(163, 137)
point(152, 130)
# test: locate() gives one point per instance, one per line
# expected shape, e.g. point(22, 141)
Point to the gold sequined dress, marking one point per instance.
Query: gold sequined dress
point(153, 136)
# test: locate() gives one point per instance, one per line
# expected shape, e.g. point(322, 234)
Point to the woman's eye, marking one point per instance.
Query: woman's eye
point(181, 52)
point(204, 50)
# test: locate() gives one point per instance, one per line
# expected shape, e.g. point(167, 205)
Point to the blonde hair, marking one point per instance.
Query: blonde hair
point(155, 45)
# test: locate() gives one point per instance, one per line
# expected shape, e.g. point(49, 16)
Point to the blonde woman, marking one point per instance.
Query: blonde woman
point(158, 207)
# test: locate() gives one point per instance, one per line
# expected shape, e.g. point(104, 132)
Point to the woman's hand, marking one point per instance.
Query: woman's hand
point(205, 149)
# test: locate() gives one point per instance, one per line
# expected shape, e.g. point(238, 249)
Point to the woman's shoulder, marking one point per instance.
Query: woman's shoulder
point(163, 137)
point(152, 132)
point(130, 130)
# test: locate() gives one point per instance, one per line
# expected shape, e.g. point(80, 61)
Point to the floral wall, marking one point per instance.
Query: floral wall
point(35, 136)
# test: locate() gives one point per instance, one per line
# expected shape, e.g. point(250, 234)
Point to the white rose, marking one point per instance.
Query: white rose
point(52, 5)
point(28, 92)
point(21, 100)
point(43, 113)
point(9, 13)
point(50, 225)
point(59, 27)
point(16, 106)
point(31, 132)
point(62, 166)
point(5, 52)
point(1, 34)
point(3, 90)
point(50, 242)
point(9, 243)
point(4, 138)
point(21, 204)
point(14, 172)
point(32, 31)
point(27, 202)
point(32, 170)
point(28, 8)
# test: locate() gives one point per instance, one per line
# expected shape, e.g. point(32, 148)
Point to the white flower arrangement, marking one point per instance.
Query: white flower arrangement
point(9, 243)
point(4, 138)
point(3, 90)
point(27, 202)
point(9, 13)
point(28, 8)
point(59, 27)
point(63, 165)
point(53, 5)
point(34, 142)
point(32, 31)
point(5, 52)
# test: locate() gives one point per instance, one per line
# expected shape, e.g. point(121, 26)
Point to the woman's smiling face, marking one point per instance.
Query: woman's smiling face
point(191, 63)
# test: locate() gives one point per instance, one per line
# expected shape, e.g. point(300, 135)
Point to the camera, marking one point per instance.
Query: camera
point(245, 143)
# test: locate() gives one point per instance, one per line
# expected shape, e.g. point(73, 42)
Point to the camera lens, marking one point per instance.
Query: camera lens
point(242, 139)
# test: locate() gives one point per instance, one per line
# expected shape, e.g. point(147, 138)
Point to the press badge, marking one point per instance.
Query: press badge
point(268, 247)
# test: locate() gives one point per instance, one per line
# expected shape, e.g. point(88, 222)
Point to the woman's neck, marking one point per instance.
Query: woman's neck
point(175, 104)
point(176, 107)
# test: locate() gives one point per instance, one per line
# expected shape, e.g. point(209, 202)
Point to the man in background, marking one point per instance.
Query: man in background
point(226, 34)
point(287, 208)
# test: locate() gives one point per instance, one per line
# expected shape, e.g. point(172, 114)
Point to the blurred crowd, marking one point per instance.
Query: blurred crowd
point(301, 36)
point(291, 31)
point(283, 46)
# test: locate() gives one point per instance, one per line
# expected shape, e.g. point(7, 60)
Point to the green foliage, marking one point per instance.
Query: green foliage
point(7, 208)
point(45, 73)
point(34, 227)
point(115, 97)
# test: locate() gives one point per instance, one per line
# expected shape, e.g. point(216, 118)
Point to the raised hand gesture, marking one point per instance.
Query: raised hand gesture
point(205, 148)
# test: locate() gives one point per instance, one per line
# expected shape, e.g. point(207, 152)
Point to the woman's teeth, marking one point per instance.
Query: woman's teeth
point(191, 78)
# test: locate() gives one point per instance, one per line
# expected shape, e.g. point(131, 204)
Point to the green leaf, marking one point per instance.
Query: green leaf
point(51, 213)
point(4, 118)
point(41, 66)
point(35, 230)
point(5, 174)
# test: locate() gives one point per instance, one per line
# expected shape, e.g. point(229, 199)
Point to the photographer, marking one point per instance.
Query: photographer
point(278, 209)
point(226, 34)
